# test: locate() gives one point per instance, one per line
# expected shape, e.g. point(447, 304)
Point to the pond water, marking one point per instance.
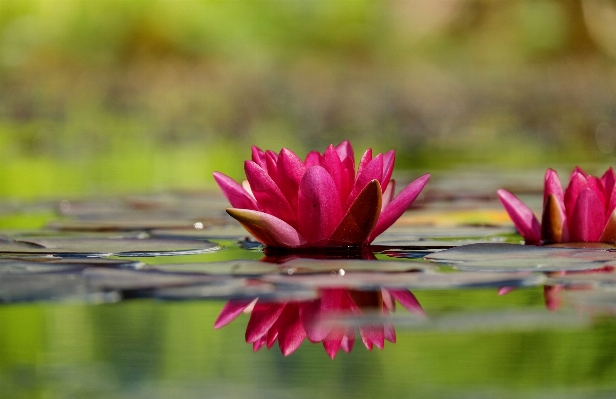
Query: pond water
point(120, 297)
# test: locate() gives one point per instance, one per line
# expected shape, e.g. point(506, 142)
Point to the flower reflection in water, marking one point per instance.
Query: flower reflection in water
point(551, 293)
point(321, 319)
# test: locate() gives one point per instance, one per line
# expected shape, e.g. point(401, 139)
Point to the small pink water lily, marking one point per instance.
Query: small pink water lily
point(293, 322)
point(584, 212)
point(319, 202)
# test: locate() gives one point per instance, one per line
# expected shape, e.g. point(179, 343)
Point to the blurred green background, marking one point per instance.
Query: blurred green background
point(123, 96)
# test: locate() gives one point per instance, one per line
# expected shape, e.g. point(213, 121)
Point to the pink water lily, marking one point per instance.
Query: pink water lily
point(320, 201)
point(584, 212)
point(292, 322)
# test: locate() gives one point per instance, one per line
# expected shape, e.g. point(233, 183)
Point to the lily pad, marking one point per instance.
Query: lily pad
point(594, 280)
point(84, 283)
point(511, 257)
point(592, 299)
point(250, 268)
point(343, 266)
point(89, 246)
point(125, 224)
point(238, 289)
point(410, 280)
point(230, 231)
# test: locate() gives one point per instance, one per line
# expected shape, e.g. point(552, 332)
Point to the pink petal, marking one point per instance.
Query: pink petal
point(319, 210)
point(521, 216)
point(553, 186)
point(258, 157)
point(577, 170)
point(398, 206)
point(577, 183)
point(330, 303)
point(332, 342)
point(268, 229)
point(389, 333)
point(389, 158)
point(271, 158)
point(348, 174)
point(333, 165)
point(291, 334)
point(309, 314)
point(388, 194)
point(348, 341)
point(552, 297)
point(345, 150)
point(388, 300)
point(505, 290)
point(609, 180)
point(314, 158)
point(237, 196)
point(372, 334)
point(291, 169)
point(365, 160)
point(262, 318)
point(268, 195)
point(588, 217)
point(360, 219)
point(611, 205)
point(372, 171)
point(258, 344)
point(272, 335)
point(408, 300)
point(594, 183)
point(230, 311)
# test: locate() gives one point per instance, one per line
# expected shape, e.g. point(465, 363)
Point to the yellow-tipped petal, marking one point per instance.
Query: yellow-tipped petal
point(268, 229)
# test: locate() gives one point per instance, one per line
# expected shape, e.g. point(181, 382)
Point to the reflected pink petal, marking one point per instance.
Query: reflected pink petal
point(408, 300)
point(291, 334)
point(332, 342)
point(258, 344)
point(230, 311)
point(348, 341)
point(263, 316)
point(505, 290)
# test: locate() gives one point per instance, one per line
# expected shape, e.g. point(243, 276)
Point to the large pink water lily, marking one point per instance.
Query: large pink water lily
point(584, 212)
point(294, 321)
point(320, 201)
